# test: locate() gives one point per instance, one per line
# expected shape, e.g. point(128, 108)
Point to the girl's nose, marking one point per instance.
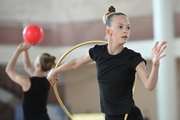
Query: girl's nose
point(125, 31)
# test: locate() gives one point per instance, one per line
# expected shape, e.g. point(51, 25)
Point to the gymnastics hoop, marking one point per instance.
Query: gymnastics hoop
point(58, 64)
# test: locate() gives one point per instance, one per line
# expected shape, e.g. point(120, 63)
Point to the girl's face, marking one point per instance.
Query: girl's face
point(120, 28)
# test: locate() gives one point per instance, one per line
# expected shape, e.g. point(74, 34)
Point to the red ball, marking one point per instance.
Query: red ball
point(33, 34)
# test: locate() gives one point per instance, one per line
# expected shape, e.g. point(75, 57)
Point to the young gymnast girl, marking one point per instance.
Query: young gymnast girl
point(116, 68)
point(36, 87)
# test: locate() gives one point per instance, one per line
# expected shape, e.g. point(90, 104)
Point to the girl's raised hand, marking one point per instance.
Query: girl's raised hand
point(157, 52)
point(24, 46)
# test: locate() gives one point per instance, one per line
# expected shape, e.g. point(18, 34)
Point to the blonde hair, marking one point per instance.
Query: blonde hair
point(107, 17)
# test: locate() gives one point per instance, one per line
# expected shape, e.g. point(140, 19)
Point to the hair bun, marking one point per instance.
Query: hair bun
point(111, 9)
point(53, 58)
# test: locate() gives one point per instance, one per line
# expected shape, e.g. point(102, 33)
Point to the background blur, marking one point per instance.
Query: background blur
point(65, 24)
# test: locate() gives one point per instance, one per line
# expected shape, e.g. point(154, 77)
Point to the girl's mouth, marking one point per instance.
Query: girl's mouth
point(124, 36)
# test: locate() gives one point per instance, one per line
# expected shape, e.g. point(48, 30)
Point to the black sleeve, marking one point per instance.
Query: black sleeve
point(91, 53)
point(135, 60)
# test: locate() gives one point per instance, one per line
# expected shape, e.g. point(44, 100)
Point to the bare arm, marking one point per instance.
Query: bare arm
point(22, 80)
point(27, 64)
point(70, 65)
point(150, 79)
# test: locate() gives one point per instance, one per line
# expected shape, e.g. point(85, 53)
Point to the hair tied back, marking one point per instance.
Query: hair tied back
point(111, 10)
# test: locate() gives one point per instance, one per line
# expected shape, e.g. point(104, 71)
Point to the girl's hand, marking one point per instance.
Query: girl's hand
point(157, 52)
point(51, 77)
point(23, 46)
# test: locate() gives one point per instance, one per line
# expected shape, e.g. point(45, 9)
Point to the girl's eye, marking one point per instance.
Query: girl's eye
point(120, 26)
point(128, 28)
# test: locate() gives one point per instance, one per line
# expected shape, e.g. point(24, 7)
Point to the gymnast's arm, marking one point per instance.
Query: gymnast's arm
point(150, 79)
point(27, 64)
point(22, 80)
point(70, 65)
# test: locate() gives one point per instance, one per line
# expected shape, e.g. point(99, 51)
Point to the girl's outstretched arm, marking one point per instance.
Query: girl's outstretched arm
point(150, 79)
point(70, 65)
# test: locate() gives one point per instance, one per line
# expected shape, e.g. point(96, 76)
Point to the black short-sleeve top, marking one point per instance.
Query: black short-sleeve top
point(115, 74)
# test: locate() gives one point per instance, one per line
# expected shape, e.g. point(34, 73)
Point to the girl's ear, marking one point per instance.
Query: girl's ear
point(108, 32)
point(37, 65)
